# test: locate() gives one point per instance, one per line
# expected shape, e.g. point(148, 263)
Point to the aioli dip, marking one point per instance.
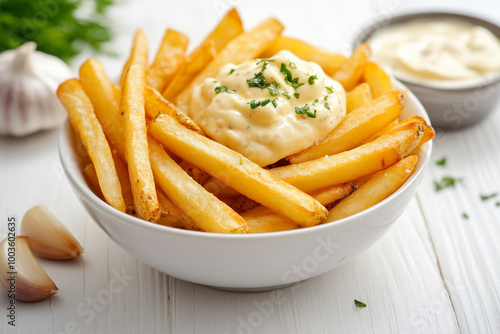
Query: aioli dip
point(267, 109)
point(443, 52)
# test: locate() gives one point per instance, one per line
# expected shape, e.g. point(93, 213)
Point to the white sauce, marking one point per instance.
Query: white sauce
point(444, 52)
point(268, 129)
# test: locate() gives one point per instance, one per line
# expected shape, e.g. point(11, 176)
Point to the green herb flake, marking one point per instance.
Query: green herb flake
point(296, 95)
point(292, 65)
point(312, 78)
point(220, 89)
point(265, 102)
point(258, 81)
point(241, 161)
point(359, 304)
point(497, 203)
point(329, 89)
point(294, 82)
point(327, 106)
point(305, 110)
point(273, 91)
point(487, 197)
point(465, 215)
point(287, 95)
point(275, 104)
point(231, 72)
point(326, 98)
point(441, 162)
point(264, 60)
point(446, 182)
point(315, 101)
point(253, 104)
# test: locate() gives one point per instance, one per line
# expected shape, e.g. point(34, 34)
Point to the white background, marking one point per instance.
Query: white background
point(434, 272)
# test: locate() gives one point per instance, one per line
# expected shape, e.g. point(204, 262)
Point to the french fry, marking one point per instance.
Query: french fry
point(122, 172)
point(429, 134)
point(243, 47)
point(243, 175)
point(196, 174)
point(169, 57)
point(193, 65)
point(136, 145)
point(82, 117)
point(376, 189)
point(351, 71)
point(219, 188)
point(358, 97)
point(261, 219)
point(329, 61)
point(393, 125)
point(156, 104)
point(228, 28)
point(138, 54)
point(379, 81)
point(102, 94)
point(206, 210)
point(91, 177)
point(172, 216)
point(350, 165)
point(243, 203)
point(357, 126)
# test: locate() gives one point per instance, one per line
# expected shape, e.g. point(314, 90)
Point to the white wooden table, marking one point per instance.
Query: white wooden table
point(434, 272)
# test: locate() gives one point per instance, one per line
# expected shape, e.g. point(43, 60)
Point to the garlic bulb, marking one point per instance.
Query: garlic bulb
point(48, 237)
point(28, 82)
point(21, 275)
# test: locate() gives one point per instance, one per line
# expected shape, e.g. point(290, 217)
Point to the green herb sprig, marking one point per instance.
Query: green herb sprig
point(54, 26)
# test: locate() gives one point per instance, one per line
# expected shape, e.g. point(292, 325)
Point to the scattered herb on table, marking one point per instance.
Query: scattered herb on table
point(487, 197)
point(359, 304)
point(446, 182)
point(465, 215)
point(54, 26)
point(441, 162)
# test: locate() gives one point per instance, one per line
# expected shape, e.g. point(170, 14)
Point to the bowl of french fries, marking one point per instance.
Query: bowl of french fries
point(198, 210)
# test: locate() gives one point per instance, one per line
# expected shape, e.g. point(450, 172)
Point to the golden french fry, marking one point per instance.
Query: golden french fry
point(228, 28)
point(102, 94)
point(194, 64)
point(136, 145)
point(357, 126)
point(350, 165)
point(219, 188)
point(82, 117)
point(243, 47)
point(123, 176)
point(196, 174)
point(376, 189)
point(138, 55)
point(156, 104)
point(358, 97)
point(206, 210)
point(351, 71)
point(242, 174)
point(172, 216)
point(169, 57)
point(379, 81)
point(262, 220)
point(393, 125)
point(91, 177)
point(329, 61)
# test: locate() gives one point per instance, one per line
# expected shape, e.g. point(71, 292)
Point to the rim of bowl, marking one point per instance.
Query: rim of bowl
point(65, 144)
point(368, 30)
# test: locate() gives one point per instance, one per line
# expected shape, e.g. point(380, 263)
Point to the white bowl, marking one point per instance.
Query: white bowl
point(252, 261)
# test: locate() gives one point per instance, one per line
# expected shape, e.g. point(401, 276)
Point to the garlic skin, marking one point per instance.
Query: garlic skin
point(48, 237)
point(28, 82)
point(21, 274)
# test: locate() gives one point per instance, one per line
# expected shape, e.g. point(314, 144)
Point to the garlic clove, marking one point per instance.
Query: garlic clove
point(28, 82)
point(21, 275)
point(48, 237)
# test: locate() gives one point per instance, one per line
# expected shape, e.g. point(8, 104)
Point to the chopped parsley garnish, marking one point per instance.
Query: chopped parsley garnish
point(359, 304)
point(327, 106)
point(287, 95)
point(254, 104)
point(326, 98)
point(329, 89)
point(465, 215)
point(231, 72)
point(258, 81)
point(296, 95)
point(265, 61)
point(294, 82)
point(273, 91)
point(215, 81)
point(487, 197)
point(441, 162)
point(305, 110)
point(446, 182)
point(292, 65)
point(312, 78)
point(224, 89)
point(315, 101)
